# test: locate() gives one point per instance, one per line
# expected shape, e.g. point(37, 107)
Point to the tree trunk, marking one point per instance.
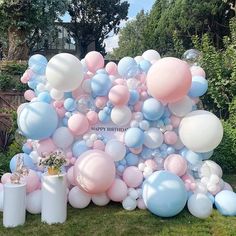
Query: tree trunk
point(18, 49)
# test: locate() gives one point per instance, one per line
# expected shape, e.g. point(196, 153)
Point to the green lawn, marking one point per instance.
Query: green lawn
point(113, 220)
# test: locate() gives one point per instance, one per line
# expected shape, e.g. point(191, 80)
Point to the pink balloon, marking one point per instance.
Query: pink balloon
point(197, 71)
point(152, 164)
point(29, 95)
point(119, 95)
point(118, 191)
point(111, 68)
point(73, 160)
point(94, 61)
point(98, 144)
point(176, 164)
point(189, 182)
point(141, 205)
point(138, 106)
point(24, 79)
point(58, 104)
point(94, 171)
point(78, 124)
point(61, 112)
point(45, 146)
point(70, 176)
point(120, 81)
point(100, 102)
point(170, 137)
point(32, 181)
point(6, 178)
point(132, 176)
point(92, 117)
point(169, 79)
point(175, 121)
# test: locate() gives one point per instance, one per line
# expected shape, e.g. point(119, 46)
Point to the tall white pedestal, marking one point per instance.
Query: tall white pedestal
point(54, 199)
point(14, 204)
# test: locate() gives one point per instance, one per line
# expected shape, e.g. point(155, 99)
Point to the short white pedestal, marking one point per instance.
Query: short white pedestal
point(14, 204)
point(54, 199)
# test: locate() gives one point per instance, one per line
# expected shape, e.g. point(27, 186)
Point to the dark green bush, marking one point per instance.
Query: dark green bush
point(225, 153)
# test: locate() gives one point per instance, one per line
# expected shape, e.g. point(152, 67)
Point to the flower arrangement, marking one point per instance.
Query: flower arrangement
point(53, 161)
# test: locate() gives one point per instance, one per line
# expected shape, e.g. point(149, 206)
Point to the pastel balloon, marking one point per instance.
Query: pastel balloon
point(199, 86)
point(45, 146)
point(64, 72)
point(197, 71)
point(176, 164)
point(6, 178)
point(129, 204)
point(32, 181)
point(56, 94)
point(196, 123)
point(132, 159)
point(111, 68)
point(26, 159)
point(115, 149)
point(151, 55)
point(78, 198)
point(134, 137)
point(164, 194)
point(127, 67)
point(98, 144)
point(63, 137)
point(70, 176)
point(94, 171)
point(141, 204)
point(29, 95)
point(182, 107)
point(153, 138)
point(132, 176)
point(100, 85)
point(152, 109)
point(92, 117)
point(37, 63)
point(78, 124)
point(33, 122)
point(169, 79)
point(208, 168)
point(170, 137)
point(94, 61)
point(79, 147)
point(119, 95)
point(200, 205)
point(34, 202)
point(117, 191)
point(100, 199)
point(121, 115)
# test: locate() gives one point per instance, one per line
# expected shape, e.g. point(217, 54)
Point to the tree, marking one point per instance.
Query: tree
point(27, 22)
point(93, 20)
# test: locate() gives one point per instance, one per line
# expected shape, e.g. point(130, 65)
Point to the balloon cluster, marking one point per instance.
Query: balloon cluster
point(131, 133)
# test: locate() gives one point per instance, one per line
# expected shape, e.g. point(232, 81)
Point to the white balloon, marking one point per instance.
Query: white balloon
point(151, 55)
point(62, 137)
point(115, 149)
point(78, 198)
point(133, 194)
point(34, 202)
point(41, 87)
point(182, 107)
point(153, 138)
point(200, 131)
point(100, 199)
point(200, 205)
point(129, 203)
point(209, 168)
point(34, 156)
point(56, 94)
point(64, 72)
point(200, 187)
point(138, 58)
point(133, 83)
point(121, 115)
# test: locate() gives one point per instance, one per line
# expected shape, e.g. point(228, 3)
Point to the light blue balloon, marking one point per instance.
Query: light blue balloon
point(70, 104)
point(170, 150)
point(145, 65)
point(26, 149)
point(100, 85)
point(127, 67)
point(79, 147)
point(123, 162)
point(146, 153)
point(101, 71)
point(152, 109)
point(134, 137)
point(132, 159)
point(44, 97)
point(225, 202)
point(134, 97)
point(38, 63)
point(193, 157)
point(211, 197)
point(103, 116)
point(164, 194)
point(183, 151)
point(207, 155)
point(120, 168)
point(38, 120)
point(199, 86)
point(27, 162)
point(32, 84)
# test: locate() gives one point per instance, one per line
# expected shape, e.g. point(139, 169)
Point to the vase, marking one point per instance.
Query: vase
point(52, 170)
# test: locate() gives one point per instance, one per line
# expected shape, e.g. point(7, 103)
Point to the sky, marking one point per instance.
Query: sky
point(135, 7)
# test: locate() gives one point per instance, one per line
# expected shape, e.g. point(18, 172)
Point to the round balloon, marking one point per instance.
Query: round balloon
point(78, 198)
point(153, 138)
point(117, 191)
point(121, 115)
point(33, 202)
point(115, 149)
point(63, 137)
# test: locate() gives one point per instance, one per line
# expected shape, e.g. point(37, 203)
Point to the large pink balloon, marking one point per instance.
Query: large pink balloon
point(111, 68)
point(78, 124)
point(94, 171)
point(118, 191)
point(32, 181)
point(169, 79)
point(46, 146)
point(119, 95)
point(94, 61)
point(132, 176)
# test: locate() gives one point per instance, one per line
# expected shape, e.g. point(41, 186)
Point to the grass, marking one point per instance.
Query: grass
point(114, 220)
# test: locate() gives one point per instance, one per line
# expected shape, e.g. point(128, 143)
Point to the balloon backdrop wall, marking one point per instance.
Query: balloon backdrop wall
point(131, 132)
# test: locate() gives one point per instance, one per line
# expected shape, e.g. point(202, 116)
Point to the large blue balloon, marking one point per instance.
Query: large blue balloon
point(127, 67)
point(164, 194)
point(38, 63)
point(79, 147)
point(100, 85)
point(134, 137)
point(225, 202)
point(27, 162)
point(199, 86)
point(152, 109)
point(38, 120)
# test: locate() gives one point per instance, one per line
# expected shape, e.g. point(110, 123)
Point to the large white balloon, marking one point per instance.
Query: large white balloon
point(64, 72)
point(209, 168)
point(78, 198)
point(100, 199)
point(200, 131)
point(200, 205)
point(56, 94)
point(151, 55)
point(153, 138)
point(62, 137)
point(182, 107)
point(121, 115)
point(115, 149)
point(34, 202)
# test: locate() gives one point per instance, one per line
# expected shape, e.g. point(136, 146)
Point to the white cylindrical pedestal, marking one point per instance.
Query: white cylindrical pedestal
point(14, 204)
point(54, 198)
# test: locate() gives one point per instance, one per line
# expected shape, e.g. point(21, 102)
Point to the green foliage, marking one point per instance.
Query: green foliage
point(225, 153)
